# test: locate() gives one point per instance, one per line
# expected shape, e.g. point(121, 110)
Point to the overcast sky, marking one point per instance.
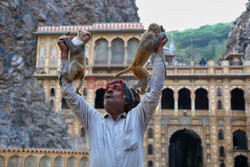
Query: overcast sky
point(184, 14)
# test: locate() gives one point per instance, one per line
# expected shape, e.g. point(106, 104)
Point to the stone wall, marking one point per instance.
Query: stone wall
point(239, 36)
point(25, 119)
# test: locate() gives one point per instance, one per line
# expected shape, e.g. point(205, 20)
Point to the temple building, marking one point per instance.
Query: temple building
point(203, 119)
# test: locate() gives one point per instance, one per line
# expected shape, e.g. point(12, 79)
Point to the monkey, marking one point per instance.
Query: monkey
point(148, 45)
point(77, 62)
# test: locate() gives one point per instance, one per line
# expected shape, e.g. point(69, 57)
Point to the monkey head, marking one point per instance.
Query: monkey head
point(155, 28)
point(84, 36)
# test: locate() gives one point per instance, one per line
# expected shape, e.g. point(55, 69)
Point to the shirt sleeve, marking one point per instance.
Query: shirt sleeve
point(150, 100)
point(84, 112)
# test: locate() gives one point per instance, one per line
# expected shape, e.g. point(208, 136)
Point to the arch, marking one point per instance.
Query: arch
point(150, 163)
point(101, 51)
point(239, 140)
point(59, 162)
point(221, 134)
point(64, 104)
point(14, 161)
point(219, 105)
point(52, 92)
point(30, 161)
point(219, 93)
point(201, 99)
point(118, 52)
point(44, 162)
point(240, 161)
point(150, 133)
point(99, 98)
point(184, 99)
point(72, 162)
point(84, 162)
point(237, 99)
point(222, 152)
point(167, 99)
point(131, 49)
point(150, 149)
point(185, 149)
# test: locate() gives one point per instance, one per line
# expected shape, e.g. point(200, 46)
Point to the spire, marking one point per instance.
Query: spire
point(172, 48)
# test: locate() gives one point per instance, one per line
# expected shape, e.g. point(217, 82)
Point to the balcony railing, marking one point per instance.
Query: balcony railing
point(35, 157)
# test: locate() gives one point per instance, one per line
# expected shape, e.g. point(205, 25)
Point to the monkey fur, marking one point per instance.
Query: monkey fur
point(77, 58)
point(148, 45)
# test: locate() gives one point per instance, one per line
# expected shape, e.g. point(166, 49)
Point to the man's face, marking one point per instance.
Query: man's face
point(114, 95)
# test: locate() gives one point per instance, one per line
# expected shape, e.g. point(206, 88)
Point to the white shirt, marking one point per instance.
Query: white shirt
point(117, 143)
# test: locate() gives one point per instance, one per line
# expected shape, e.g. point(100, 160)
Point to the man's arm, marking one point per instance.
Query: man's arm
point(84, 112)
point(150, 100)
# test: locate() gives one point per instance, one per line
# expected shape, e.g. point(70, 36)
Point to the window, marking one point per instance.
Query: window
point(131, 49)
point(221, 135)
point(41, 54)
point(150, 149)
point(53, 57)
point(219, 91)
point(219, 105)
point(150, 133)
point(101, 51)
point(52, 92)
point(117, 51)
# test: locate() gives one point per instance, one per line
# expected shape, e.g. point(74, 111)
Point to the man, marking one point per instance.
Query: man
point(116, 138)
point(202, 62)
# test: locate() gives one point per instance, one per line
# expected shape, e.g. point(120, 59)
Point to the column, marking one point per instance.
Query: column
point(157, 138)
point(125, 52)
point(176, 102)
point(214, 142)
point(110, 53)
point(229, 160)
point(193, 102)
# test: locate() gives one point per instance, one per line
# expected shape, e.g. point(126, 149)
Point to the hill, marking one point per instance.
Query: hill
point(206, 42)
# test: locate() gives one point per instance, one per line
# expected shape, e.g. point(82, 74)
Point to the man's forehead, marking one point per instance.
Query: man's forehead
point(115, 81)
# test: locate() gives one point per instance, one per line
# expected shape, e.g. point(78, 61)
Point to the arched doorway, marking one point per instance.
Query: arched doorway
point(99, 98)
point(239, 140)
point(240, 161)
point(185, 149)
point(237, 99)
point(201, 99)
point(167, 99)
point(184, 99)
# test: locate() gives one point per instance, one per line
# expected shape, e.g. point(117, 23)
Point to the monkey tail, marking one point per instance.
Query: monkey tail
point(123, 72)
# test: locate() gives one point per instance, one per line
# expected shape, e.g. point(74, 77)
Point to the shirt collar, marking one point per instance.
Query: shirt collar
point(123, 115)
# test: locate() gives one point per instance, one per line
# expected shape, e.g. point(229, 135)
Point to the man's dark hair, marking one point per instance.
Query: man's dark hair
point(130, 96)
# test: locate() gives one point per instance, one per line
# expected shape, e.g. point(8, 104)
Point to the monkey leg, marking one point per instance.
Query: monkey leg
point(143, 77)
point(79, 86)
point(74, 69)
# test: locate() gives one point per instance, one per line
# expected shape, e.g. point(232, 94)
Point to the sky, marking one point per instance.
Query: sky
point(184, 14)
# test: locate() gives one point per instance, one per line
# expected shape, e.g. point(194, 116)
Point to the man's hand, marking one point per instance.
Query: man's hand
point(64, 49)
point(161, 45)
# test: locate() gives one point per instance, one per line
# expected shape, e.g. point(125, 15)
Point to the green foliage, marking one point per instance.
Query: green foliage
point(207, 42)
